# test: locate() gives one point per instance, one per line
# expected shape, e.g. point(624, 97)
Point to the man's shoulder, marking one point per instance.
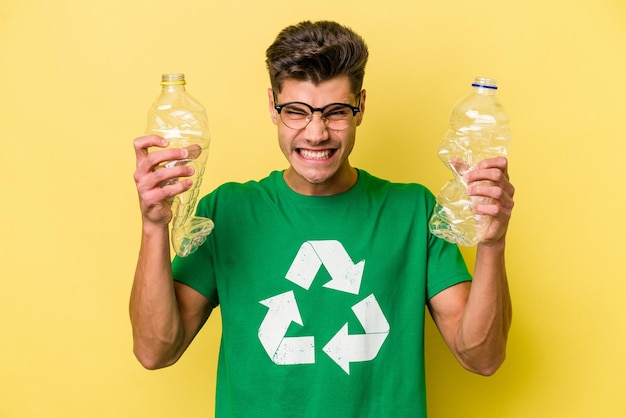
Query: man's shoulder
point(374, 183)
point(236, 187)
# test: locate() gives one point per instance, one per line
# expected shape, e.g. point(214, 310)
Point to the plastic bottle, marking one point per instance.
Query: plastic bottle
point(182, 120)
point(478, 129)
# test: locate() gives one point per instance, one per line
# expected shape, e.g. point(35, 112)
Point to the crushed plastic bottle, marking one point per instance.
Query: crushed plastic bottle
point(478, 129)
point(182, 120)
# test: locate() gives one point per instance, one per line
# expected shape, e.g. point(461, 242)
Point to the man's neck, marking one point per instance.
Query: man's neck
point(340, 183)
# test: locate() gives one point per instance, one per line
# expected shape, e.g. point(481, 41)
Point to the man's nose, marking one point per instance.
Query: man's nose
point(316, 130)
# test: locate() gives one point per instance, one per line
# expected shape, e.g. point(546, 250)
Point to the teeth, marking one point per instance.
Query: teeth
point(315, 155)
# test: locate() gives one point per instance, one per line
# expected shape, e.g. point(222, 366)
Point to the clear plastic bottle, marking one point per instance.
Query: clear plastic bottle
point(182, 120)
point(478, 129)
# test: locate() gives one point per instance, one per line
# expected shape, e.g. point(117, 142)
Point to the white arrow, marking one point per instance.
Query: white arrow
point(345, 349)
point(371, 316)
point(345, 275)
point(304, 266)
point(283, 310)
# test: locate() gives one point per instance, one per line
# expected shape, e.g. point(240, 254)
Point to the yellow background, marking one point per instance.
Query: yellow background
point(78, 77)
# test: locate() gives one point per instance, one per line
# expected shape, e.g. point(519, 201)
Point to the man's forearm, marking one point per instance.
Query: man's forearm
point(155, 317)
point(483, 332)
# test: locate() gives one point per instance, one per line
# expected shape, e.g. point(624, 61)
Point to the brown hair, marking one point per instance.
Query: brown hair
point(316, 52)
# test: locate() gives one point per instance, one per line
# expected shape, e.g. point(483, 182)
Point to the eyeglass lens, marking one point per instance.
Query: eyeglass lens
point(298, 115)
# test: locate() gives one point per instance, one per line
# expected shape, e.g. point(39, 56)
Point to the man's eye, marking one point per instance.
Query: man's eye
point(337, 113)
point(295, 112)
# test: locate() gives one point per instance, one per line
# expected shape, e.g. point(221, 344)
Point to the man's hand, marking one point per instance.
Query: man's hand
point(157, 183)
point(490, 179)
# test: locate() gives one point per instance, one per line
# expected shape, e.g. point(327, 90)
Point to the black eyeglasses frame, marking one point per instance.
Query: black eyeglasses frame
point(355, 109)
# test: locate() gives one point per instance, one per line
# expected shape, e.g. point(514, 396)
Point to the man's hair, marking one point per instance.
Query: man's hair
point(317, 52)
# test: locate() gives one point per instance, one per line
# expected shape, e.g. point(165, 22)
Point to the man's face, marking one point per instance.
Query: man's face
point(318, 156)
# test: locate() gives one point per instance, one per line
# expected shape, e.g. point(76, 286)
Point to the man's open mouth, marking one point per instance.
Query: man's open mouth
point(316, 155)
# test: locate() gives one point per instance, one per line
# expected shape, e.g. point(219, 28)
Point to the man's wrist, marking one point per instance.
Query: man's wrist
point(493, 246)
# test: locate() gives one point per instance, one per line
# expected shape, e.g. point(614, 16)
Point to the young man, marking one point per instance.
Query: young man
point(321, 271)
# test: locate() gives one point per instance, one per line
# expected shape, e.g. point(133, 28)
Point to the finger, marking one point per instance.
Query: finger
point(495, 162)
point(493, 206)
point(156, 160)
point(489, 210)
point(500, 163)
point(142, 143)
point(142, 147)
point(193, 152)
point(503, 194)
point(170, 175)
point(494, 185)
point(156, 196)
point(156, 203)
point(493, 202)
point(485, 189)
point(489, 173)
point(160, 177)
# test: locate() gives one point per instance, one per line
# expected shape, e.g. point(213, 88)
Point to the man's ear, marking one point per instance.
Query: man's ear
point(270, 98)
point(359, 116)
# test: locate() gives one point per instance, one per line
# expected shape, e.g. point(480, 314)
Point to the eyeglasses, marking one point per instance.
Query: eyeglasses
point(336, 116)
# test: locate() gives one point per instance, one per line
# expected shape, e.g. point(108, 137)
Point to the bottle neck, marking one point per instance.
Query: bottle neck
point(171, 88)
point(485, 86)
point(484, 91)
point(173, 82)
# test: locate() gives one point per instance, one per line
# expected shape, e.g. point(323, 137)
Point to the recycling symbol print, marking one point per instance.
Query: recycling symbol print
point(343, 348)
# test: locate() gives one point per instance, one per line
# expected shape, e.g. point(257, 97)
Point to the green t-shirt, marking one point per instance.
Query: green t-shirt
point(322, 298)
